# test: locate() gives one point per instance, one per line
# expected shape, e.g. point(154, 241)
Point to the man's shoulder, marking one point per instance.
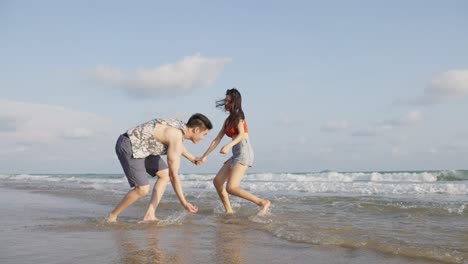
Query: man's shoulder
point(173, 133)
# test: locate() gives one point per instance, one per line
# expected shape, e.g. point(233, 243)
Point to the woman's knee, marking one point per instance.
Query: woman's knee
point(232, 189)
point(163, 175)
point(218, 184)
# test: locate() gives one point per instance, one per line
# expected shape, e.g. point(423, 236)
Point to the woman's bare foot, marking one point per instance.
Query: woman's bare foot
point(265, 205)
point(149, 221)
point(229, 213)
point(111, 218)
point(149, 218)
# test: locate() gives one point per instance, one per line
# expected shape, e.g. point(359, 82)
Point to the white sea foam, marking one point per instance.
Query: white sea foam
point(361, 183)
point(345, 177)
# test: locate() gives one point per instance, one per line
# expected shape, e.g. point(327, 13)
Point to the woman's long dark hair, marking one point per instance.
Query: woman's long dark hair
point(235, 110)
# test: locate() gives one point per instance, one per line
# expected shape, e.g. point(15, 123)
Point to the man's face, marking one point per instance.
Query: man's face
point(198, 134)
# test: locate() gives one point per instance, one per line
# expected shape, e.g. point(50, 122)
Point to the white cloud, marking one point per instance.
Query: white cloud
point(31, 123)
point(380, 129)
point(397, 151)
point(451, 83)
point(409, 119)
point(287, 120)
point(446, 86)
point(334, 126)
point(191, 73)
point(372, 131)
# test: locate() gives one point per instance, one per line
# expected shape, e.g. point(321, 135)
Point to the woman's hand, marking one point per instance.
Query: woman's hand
point(224, 150)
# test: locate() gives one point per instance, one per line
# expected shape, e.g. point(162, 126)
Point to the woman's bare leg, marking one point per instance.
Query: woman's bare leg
point(219, 181)
point(233, 183)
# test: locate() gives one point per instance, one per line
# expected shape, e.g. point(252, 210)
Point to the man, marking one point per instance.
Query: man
point(139, 151)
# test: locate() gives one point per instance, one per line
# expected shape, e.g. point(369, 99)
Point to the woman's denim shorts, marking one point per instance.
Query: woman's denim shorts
point(242, 153)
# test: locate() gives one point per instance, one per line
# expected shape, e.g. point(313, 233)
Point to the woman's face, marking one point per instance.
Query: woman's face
point(227, 102)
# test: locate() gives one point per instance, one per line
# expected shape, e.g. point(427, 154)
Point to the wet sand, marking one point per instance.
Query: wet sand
point(44, 228)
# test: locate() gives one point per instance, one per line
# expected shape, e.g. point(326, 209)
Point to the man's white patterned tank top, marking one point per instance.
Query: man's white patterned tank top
point(143, 142)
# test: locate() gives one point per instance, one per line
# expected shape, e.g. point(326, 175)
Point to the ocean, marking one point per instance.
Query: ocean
point(420, 215)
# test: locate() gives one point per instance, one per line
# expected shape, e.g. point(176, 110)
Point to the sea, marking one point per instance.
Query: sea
point(416, 214)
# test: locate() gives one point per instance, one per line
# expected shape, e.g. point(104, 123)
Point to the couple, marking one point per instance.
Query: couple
point(140, 148)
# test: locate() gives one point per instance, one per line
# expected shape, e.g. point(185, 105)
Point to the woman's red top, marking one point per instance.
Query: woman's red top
point(230, 128)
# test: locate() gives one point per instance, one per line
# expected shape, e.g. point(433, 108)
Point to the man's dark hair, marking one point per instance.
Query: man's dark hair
point(199, 120)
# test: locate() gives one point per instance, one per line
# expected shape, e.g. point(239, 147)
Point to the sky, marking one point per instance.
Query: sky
point(326, 85)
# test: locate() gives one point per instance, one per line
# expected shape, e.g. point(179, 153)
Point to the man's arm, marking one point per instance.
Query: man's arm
point(188, 155)
point(174, 152)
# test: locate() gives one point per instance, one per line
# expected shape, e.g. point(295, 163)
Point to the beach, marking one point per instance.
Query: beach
point(60, 219)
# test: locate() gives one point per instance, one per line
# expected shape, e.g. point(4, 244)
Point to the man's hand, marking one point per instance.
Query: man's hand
point(190, 207)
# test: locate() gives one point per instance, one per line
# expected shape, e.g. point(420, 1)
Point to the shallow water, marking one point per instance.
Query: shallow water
point(421, 215)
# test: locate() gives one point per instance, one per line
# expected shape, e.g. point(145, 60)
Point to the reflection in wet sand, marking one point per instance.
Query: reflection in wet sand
point(133, 248)
point(230, 244)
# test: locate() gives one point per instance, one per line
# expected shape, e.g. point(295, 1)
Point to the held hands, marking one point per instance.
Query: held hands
point(190, 207)
point(199, 160)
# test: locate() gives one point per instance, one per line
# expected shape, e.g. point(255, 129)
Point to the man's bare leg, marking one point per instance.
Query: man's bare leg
point(131, 197)
point(218, 182)
point(158, 192)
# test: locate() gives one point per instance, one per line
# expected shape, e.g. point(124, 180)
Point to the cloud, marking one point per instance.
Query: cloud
point(372, 131)
point(286, 120)
point(334, 126)
point(443, 87)
point(191, 73)
point(29, 123)
point(409, 119)
point(383, 127)
point(8, 123)
point(396, 151)
point(452, 83)
point(455, 147)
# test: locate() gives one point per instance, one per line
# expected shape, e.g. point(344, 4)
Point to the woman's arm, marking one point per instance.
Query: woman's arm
point(238, 138)
point(213, 144)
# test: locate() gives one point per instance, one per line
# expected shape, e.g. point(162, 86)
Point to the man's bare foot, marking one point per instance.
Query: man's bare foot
point(111, 218)
point(229, 213)
point(264, 208)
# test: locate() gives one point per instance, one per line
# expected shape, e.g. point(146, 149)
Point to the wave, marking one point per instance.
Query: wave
point(453, 175)
point(346, 177)
point(331, 176)
point(360, 183)
point(341, 236)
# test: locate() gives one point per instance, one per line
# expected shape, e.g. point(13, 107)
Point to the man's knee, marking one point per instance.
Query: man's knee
point(142, 190)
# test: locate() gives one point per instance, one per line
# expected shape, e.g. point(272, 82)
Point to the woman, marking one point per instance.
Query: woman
point(235, 167)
